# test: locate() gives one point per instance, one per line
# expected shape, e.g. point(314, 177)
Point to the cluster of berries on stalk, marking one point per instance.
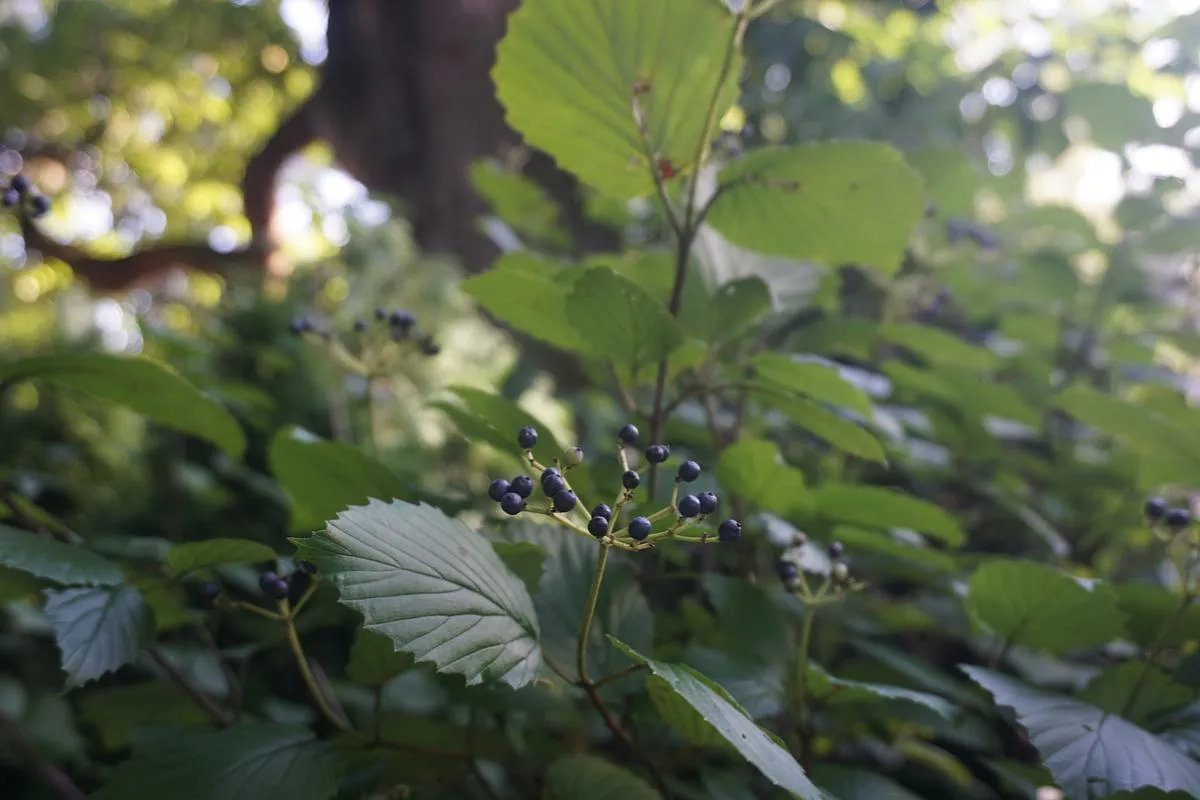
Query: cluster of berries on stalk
point(270, 583)
point(1160, 514)
point(400, 327)
point(21, 192)
point(838, 583)
point(603, 521)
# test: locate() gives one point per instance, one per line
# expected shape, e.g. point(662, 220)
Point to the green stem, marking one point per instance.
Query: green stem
point(616, 676)
point(1153, 653)
point(585, 626)
point(306, 673)
point(810, 613)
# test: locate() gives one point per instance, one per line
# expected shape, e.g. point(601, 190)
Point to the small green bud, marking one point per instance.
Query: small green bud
point(840, 573)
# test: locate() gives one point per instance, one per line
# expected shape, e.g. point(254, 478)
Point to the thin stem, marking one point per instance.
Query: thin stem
point(369, 408)
point(54, 778)
point(306, 673)
point(219, 716)
point(1154, 651)
point(585, 626)
point(810, 613)
point(616, 676)
point(235, 686)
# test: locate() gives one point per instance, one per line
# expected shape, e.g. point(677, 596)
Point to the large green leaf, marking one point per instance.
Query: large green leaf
point(1038, 606)
point(836, 203)
point(837, 690)
point(568, 76)
point(735, 307)
point(816, 381)
point(858, 540)
point(621, 321)
point(755, 470)
point(118, 712)
point(518, 200)
point(209, 553)
point(839, 432)
point(54, 561)
point(528, 293)
point(497, 420)
point(751, 619)
point(1156, 693)
point(937, 347)
point(583, 777)
point(433, 586)
point(147, 387)
point(1150, 608)
point(853, 783)
point(97, 629)
point(322, 477)
point(252, 760)
point(757, 686)
point(717, 710)
point(1090, 752)
point(876, 507)
point(374, 660)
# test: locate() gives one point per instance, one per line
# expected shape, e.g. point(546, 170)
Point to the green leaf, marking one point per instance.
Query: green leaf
point(736, 307)
point(621, 321)
point(832, 202)
point(15, 586)
point(841, 433)
point(836, 690)
point(519, 201)
point(756, 686)
point(1037, 606)
point(590, 778)
point(853, 783)
point(877, 507)
point(64, 564)
point(1112, 688)
point(937, 347)
point(1088, 751)
point(754, 470)
point(1150, 608)
point(251, 760)
point(499, 419)
point(529, 294)
point(816, 381)
point(714, 706)
point(322, 477)
point(147, 387)
point(951, 180)
point(374, 660)
point(525, 559)
point(752, 622)
point(197, 555)
point(433, 586)
point(858, 540)
point(586, 64)
point(97, 630)
point(117, 712)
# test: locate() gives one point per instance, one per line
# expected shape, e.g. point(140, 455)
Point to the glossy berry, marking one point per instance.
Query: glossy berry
point(381, 314)
point(522, 485)
point(272, 585)
point(552, 485)
point(1155, 508)
point(598, 526)
point(39, 205)
point(628, 433)
point(360, 325)
point(209, 591)
point(573, 456)
point(657, 453)
point(19, 184)
point(527, 438)
point(688, 471)
point(688, 505)
point(430, 347)
point(307, 567)
point(548, 473)
point(564, 501)
point(402, 320)
point(1178, 518)
point(498, 489)
point(512, 504)
point(602, 510)
point(631, 480)
point(708, 503)
point(836, 550)
point(729, 531)
point(786, 569)
point(11, 198)
point(639, 528)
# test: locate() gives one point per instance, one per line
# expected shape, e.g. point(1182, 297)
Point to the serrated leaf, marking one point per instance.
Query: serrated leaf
point(755, 686)
point(374, 660)
point(844, 434)
point(877, 507)
point(937, 347)
point(529, 294)
point(209, 553)
point(731, 722)
point(621, 321)
point(568, 76)
point(251, 760)
point(1150, 608)
point(525, 559)
point(322, 477)
point(432, 585)
point(836, 690)
point(499, 420)
point(147, 387)
point(63, 564)
point(117, 712)
point(836, 203)
point(97, 630)
point(1156, 693)
point(1090, 752)
point(755, 470)
point(582, 777)
point(815, 381)
point(1037, 606)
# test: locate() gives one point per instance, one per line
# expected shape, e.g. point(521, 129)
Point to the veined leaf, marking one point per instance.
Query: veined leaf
point(621, 321)
point(754, 469)
point(590, 778)
point(876, 507)
point(528, 293)
point(211, 552)
point(816, 381)
point(97, 629)
point(64, 564)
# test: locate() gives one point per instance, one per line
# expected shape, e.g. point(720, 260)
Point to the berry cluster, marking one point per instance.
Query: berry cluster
point(272, 584)
point(604, 521)
point(838, 583)
point(958, 229)
point(1159, 513)
point(19, 191)
point(400, 325)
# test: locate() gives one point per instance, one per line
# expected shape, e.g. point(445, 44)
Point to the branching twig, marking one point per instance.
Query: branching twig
point(52, 776)
point(219, 716)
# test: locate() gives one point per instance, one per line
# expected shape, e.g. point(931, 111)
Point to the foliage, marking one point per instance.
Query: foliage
point(878, 482)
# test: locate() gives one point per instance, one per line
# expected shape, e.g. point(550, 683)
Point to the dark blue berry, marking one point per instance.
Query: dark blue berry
point(272, 585)
point(39, 206)
point(12, 198)
point(628, 433)
point(552, 485)
point(430, 347)
point(512, 504)
point(564, 501)
point(498, 489)
point(527, 438)
point(602, 510)
point(639, 528)
point(688, 505)
point(521, 485)
point(708, 503)
point(631, 480)
point(598, 526)
point(402, 320)
point(209, 591)
point(381, 314)
point(786, 569)
point(546, 473)
point(307, 567)
point(657, 453)
point(689, 471)
point(729, 531)
point(1178, 518)
point(360, 325)
point(1155, 508)
point(19, 184)
point(836, 550)
point(300, 325)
